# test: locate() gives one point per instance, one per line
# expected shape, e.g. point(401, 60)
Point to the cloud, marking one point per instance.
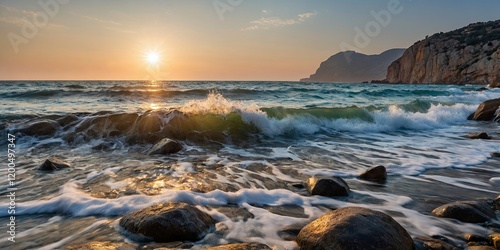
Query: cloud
point(14, 16)
point(266, 23)
point(103, 21)
point(11, 15)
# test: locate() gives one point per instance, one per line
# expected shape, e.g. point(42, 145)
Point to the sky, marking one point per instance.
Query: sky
point(272, 40)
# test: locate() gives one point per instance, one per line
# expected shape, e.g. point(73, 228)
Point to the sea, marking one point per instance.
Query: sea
point(248, 148)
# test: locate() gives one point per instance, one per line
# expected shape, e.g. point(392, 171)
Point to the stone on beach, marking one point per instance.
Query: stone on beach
point(167, 222)
point(354, 228)
point(52, 164)
point(466, 211)
point(40, 128)
point(327, 186)
point(242, 246)
point(101, 245)
point(378, 174)
point(486, 110)
point(478, 135)
point(165, 146)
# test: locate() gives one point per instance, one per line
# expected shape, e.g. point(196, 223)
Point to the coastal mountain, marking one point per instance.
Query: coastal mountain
point(350, 66)
point(467, 55)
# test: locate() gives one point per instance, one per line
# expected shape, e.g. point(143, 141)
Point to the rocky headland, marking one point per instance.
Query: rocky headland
point(469, 55)
point(350, 66)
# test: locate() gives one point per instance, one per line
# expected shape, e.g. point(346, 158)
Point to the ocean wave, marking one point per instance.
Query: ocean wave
point(217, 118)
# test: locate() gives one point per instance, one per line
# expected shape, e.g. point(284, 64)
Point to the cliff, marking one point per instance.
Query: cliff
point(350, 66)
point(467, 55)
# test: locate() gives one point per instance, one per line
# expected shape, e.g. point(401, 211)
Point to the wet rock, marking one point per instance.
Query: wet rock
point(235, 213)
point(168, 245)
point(66, 120)
point(378, 174)
point(41, 128)
point(167, 222)
point(53, 164)
point(327, 186)
point(475, 238)
point(494, 240)
point(480, 248)
point(102, 245)
point(466, 211)
point(495, 154)
point(478, 135)
point(290, 232)
point(486, 110)
point(148, 123)
point(165, 146)
point(425, 243)
point(242, 246)
point(354, 228)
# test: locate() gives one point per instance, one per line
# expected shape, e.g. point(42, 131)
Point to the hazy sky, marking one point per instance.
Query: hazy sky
point(211, 39)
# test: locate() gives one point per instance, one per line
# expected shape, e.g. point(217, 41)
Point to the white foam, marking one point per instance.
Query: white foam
point(495, 179)
point(182, 168)
point(115, 184)
point(461, 182)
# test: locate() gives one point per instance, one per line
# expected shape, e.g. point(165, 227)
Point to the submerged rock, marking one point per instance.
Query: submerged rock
point(354, 228)
point(242, 246)
point(424, 243)
point(101, 245)
point(52, 164)
point(466, 211)
point(41, 128)
point(167, 222)
point(378, 174)
point(486, 110)
point(327, 186)
point(165, 146)
point(478, 135)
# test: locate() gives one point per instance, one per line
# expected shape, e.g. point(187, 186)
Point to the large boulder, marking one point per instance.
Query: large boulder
point(354, 228)
point(242, 246)
point(466, 211)
point(327, 186)
point(486, 110)
point(378, 174)
point(167, 222)
point(165, 146)
point(53, 164)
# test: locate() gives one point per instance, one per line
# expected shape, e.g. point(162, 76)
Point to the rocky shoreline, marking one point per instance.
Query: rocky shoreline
point(181, 225)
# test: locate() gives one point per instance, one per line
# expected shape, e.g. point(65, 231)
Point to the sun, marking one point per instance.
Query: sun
point(153, 57)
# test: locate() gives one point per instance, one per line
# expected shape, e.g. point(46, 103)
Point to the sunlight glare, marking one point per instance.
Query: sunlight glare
point(153, 57)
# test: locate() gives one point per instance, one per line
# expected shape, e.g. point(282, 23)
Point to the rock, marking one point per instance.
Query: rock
point(66, 120)
point(41, 128)
point(165, 146)
point(378, 173)
point(101, 245)
point(486, 110)
point(475, 238)
point(52, 164)
point(354, 228)
point(480, 248)
point(327, 186)
point(482, 89)
point(169, 222)
point(467, 55)
point(494, 240)
point(431, 243)
point(466, 211)
point(242, 246)
point(495, 154)
point(290, 232)
point(479, 135)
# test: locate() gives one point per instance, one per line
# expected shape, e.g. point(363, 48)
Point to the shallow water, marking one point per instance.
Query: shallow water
point(246, 145)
